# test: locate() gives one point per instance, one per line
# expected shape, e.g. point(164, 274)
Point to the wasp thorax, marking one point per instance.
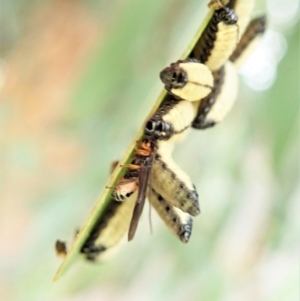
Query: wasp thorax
point(173, 76)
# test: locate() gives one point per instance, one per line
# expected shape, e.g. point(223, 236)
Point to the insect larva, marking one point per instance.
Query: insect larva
point(188, 80)
point(216, 106)
point(217, 4)
point(171, 119)
point(179, 222)
point(171, 182)
point(243, 9)
point(249, 41)
point(218, 40)
point(109, 229)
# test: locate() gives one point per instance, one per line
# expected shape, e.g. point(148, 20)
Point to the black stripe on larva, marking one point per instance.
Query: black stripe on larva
point(89, 248)
point(255, 28)
point(207, 103)
point(205, 44)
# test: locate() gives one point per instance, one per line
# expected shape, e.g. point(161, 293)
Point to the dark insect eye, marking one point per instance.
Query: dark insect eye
point(149, 125)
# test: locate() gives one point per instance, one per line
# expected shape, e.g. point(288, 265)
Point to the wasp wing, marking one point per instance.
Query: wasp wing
point(140, 201)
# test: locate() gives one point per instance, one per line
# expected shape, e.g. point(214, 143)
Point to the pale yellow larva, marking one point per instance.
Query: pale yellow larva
point(218, 40)
point(227, 95)
point(249, 41)
point(189, 80)
point(243, 9)
point(216, 106)
point(109, 229)
point(171, 121)
point(171, 182)
point(179, 222)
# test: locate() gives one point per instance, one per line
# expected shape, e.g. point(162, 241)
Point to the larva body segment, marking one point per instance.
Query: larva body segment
point(173, 184)
point(110, 228)
point(179, 222)
point(218, 40)
point(243, 9)
point(249, 41)
point(216, 106)
point(170, 123)
point(217, 4)
point(227, 95)
point(189, 80)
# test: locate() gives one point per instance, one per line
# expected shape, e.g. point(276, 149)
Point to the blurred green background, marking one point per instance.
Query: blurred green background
point(77, 80)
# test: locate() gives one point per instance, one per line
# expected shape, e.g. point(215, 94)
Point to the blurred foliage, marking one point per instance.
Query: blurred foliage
point(78, 78)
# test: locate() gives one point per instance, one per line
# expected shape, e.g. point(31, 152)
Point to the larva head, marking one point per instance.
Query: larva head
point(173, 77)
point(158, 129)
point(227, 16)
point(185, 231)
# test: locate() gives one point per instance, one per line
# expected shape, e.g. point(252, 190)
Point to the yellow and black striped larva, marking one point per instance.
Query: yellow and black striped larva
point(218, 40)
point(215, 107)
point(249, 41)
point(243, 9)
point(173, 184)
point(179, 222)
point(123, 210)
point(189, 80)
point(109, 229)
point(172, 119)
